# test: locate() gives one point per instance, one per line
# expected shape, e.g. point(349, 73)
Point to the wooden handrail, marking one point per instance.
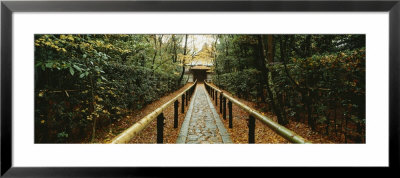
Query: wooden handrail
point(277, 128)
point(129, 133)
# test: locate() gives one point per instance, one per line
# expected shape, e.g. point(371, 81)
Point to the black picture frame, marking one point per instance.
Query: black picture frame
point(8, 7)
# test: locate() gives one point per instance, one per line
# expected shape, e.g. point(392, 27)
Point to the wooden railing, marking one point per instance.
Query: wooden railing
point(136, 128)
point(254, 114)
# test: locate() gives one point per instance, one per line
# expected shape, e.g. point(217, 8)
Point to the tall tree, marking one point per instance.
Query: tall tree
point(175, 53)
point(267, 76)
point(183, 60)
point(155, 51)
point(276, 97)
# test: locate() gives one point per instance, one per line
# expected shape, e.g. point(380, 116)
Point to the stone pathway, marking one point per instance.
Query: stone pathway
point(202, 124)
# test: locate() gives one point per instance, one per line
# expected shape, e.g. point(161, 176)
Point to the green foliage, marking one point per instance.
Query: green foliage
point(322, 72)
point(81, 79)
point(240, 83)
point(330, 77)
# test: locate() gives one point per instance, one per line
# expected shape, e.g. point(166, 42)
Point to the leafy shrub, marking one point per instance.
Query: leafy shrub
point(81, 81)
point(240, 83)
point(332, 81)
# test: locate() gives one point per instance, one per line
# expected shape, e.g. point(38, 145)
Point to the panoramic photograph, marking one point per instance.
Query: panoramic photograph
point(199, 88)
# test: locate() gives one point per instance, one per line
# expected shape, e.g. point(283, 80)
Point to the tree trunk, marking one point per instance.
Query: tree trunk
point(304, 91)
point(160, 41)
point(215, 58)
point(175, 50)
point(269, 83)
point(308, 101)
point(307, 49)
point(328, 123)
point(155, 51)
point(183, 61)
point(345, 129)
point(93, 110)
point(143, 62)
point(335, 116)
point(277, 97)
point(270, 48)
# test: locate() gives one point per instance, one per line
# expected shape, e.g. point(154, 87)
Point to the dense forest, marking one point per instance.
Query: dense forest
point(314, 79)
point(84, 82)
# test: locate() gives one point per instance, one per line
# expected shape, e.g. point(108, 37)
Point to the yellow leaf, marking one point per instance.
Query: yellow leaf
point(70, 37)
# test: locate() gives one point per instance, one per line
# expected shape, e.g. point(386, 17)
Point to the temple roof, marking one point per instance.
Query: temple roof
point(200, 68)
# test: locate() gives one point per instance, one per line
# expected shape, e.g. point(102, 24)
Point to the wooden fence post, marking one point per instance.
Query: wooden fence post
point(160, 128)
point(213, 94)
point(220, 102)
point(252, 126)
point(183, 103)
point(176, 105)
point(187, 98)
point(224, 108)
point(216, 99)
point(230, 114)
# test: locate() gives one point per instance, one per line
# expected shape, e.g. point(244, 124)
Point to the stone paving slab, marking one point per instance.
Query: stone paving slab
point(185, 125)
point(202, 124)
point(224, 133)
